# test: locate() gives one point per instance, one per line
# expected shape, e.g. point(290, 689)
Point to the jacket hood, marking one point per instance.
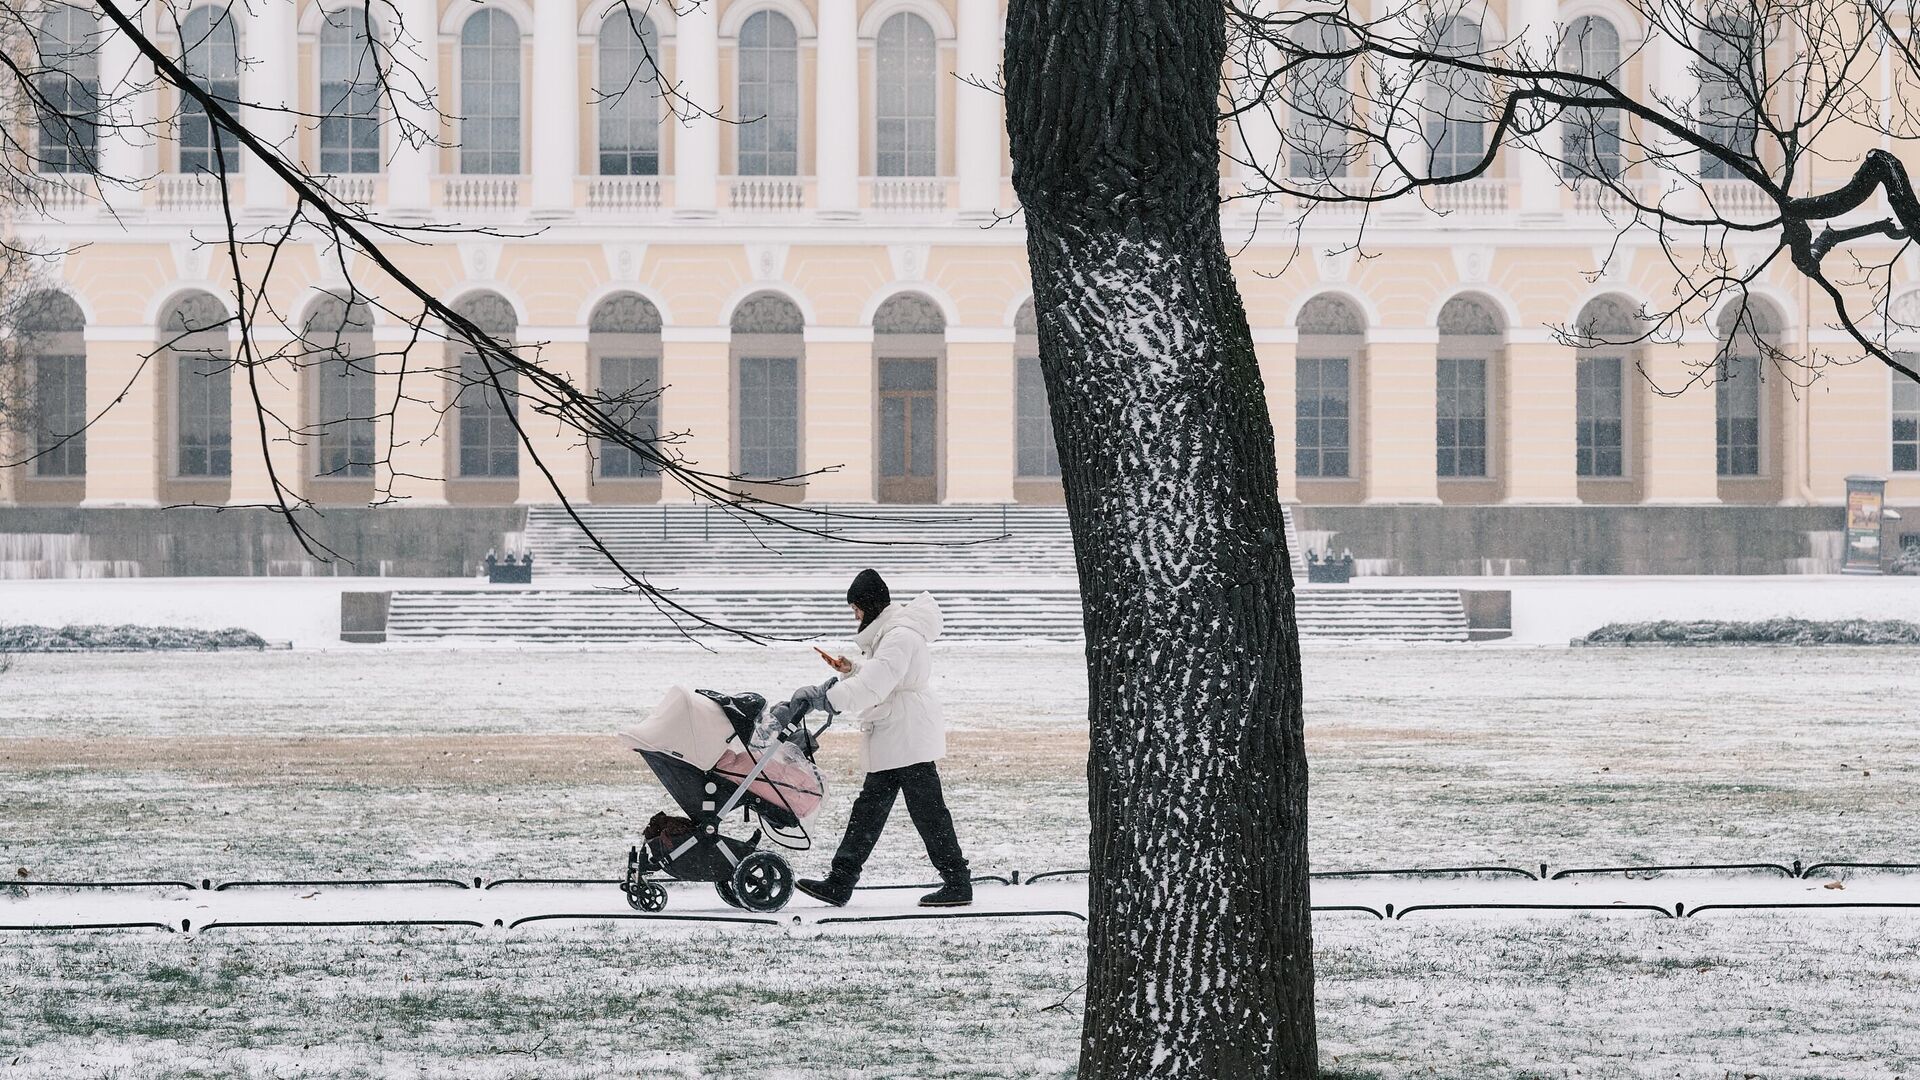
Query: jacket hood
point(920, 614)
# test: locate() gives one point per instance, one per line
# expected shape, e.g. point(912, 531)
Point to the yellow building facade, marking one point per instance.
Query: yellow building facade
point(832, 280)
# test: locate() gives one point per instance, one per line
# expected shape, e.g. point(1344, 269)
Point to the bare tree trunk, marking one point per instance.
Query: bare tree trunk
point(1200, 959)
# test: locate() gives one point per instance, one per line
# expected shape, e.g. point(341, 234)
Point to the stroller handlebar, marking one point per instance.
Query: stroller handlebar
point(793, 720)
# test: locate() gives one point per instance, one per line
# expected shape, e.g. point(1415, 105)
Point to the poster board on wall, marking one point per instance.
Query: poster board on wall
point(1866, 506)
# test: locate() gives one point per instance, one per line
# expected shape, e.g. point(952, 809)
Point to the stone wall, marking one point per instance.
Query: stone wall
point(392, 542)
point(1470, 540)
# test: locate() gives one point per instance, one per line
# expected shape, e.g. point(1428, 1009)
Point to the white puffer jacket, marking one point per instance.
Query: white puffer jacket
point(889, 688)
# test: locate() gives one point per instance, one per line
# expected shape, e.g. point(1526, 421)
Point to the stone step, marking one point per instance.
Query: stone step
point(1324, 613)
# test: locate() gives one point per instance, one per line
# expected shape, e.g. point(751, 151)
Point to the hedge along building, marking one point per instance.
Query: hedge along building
point(836, 287)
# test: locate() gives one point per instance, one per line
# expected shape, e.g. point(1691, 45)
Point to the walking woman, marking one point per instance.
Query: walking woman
point(905, 736)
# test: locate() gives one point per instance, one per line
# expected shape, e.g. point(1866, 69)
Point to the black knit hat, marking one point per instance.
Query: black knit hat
point(869, 593)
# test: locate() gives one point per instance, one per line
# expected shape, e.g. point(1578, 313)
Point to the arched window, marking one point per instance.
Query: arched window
point(1457, 102)
point(194, 340)
point(349, 94)
point(769, 131)
point(1037, 455)
point(1728, 88)
point(906, 102)
point(623, 340)
point(51, 328)
point(1331, 334)
point(211, 42)
point(1318, 104)
point(1590, 138)
point(1749, 334)
point(629, 95)
point(909, 342)
point(340, 334)
point(767, 347)
point(69, 83)
point(1469, 337)
point(489, 393)
point(1607, 331)
point(490, 94)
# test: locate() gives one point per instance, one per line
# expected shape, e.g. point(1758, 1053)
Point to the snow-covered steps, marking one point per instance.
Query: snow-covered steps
point(672, 541)
point(1326, 613)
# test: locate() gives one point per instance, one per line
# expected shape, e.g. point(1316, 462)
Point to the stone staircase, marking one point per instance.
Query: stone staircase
point(669, 542)
point(586, 615)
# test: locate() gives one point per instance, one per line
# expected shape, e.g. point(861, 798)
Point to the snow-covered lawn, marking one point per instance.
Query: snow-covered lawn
point(498, 763)
point(1762, 996)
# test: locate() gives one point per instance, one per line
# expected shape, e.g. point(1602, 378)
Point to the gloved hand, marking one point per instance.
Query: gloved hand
point(807, 697)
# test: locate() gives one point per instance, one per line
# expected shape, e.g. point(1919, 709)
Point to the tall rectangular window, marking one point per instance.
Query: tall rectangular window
point(490, 94)
point(1728, 83)
point(203, 420)
point(344, 399)
point(1462, 415)
point(489, 445)
point(1318, 103)
point(1737, 398)
point(1906, 420)
point(906, 80)
point(1039, 457)
point(60, 404)
point(211, 40)
point(769, 416)
point(629, 387)
point(769, 94)
point(1600, 418)
point(349, 95)
point(1322, 437)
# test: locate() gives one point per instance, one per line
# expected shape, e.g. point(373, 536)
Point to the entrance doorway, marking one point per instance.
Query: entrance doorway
point(909, 441)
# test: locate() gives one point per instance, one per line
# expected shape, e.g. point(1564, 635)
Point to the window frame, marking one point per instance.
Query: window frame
point(77, 150)
point(752, 117)
point(178, 353)
point(1459, 360)
point(65, 344)
point(754, 352)
point(1584, 358)
point(1296, 139)
point(188, 108)
point(1580, 160)
point(346, 340)
point(654, 53)
point(875, 118)
point(369, 58)
point(1448, 124)
point(460, 83)
point(1898, 382)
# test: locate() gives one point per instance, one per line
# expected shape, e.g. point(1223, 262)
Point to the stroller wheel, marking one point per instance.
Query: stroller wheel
point(762, 882)
point(725, 889)
point(647, 896)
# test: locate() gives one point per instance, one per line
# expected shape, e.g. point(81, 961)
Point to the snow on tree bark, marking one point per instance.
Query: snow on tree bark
point(1200, 961)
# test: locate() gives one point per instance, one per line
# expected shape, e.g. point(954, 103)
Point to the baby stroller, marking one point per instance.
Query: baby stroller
point(715, 754)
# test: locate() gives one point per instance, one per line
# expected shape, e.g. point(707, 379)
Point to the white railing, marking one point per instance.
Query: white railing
point(482, 193)
point(358, 189)
point(186, 191)
point(1469, 197)
point(1737, 200)
point(765, 194)
point(623, 194)
point(909, 194)
point(63, 193)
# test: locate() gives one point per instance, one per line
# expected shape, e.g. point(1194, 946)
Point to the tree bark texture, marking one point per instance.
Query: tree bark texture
point(1200, 944)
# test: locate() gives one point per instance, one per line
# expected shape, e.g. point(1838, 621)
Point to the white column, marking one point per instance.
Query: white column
point(556, 106)
point(268, 38)
point(837, 116)
point(1676, 83)
point(696, 150)
point(416, 132)
point(976, 112)
point(1536, 36)
point(126, 87)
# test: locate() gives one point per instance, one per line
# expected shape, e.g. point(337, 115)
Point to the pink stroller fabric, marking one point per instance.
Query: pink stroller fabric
point(793, 784)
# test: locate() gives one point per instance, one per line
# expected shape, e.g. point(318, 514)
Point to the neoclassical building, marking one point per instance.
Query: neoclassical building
point(833, 280)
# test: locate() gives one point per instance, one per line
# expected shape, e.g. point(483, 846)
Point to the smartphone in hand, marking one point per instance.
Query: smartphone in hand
point(838, 663)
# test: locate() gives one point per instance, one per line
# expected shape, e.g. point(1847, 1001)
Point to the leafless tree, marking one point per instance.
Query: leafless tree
point(1741, 140)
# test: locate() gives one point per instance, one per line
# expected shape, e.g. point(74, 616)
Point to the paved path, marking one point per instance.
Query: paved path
point(520, 906)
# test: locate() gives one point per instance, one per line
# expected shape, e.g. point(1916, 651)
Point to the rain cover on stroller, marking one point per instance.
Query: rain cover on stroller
point(691, 727)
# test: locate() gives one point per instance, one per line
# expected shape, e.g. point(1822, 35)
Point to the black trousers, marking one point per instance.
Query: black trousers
point(925, 804)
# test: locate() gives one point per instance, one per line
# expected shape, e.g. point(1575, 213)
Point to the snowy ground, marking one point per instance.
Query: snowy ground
point(501, 763)
point(1546, 610)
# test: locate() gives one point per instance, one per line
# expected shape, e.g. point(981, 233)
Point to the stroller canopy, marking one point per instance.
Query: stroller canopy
point(685, 725)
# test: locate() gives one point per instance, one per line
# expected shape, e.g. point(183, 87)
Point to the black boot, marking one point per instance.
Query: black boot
point(956, 893)
point(827, 892)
